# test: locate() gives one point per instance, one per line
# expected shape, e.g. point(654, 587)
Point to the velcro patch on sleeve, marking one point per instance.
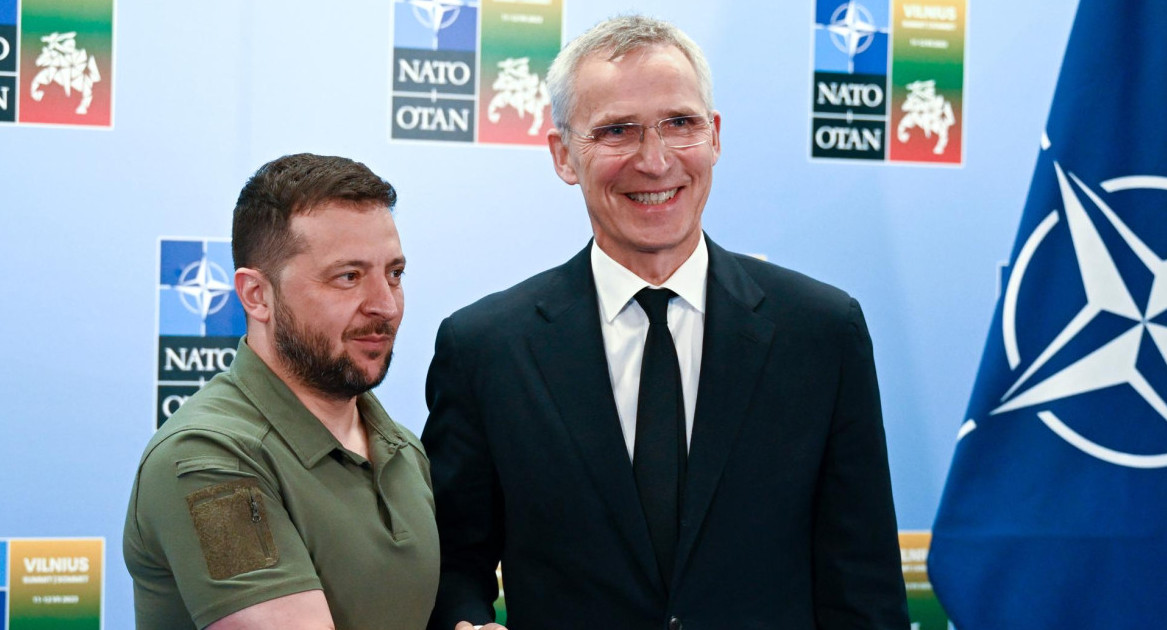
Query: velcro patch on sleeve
point(232, 527)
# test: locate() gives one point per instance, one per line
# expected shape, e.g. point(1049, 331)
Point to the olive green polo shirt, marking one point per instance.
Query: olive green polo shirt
point(244, 496)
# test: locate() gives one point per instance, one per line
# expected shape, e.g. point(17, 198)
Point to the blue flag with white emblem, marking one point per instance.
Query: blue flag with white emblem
point(1054, 515)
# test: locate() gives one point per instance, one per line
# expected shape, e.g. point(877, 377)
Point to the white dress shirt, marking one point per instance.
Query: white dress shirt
point(625, 327)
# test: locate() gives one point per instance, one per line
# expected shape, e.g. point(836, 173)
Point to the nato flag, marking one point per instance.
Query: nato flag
point(1055, 510)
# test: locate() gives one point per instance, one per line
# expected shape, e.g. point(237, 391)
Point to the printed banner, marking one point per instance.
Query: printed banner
point(4, 584)
point(889, 81)
point(927, 79)
point(9, 45)
point(56, 62)
point(200, 319)
point(52, 584)
point(924, 609)
point(473, 71)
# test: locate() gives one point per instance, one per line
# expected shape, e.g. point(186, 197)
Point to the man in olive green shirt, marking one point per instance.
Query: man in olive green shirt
point(282, 495)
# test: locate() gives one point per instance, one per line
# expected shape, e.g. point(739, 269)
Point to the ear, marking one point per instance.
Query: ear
point(715, 142)
point(255, 293)
point(561, 155)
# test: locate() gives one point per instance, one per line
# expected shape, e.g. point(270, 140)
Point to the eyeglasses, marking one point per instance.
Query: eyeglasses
point(678, 132)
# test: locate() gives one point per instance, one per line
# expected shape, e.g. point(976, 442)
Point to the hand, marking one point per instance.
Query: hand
point(466, 625)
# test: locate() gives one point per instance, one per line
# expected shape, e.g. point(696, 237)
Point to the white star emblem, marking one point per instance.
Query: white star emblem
point(852, 30)
point(1114, 362)
point(438, 14)
point(203, 287)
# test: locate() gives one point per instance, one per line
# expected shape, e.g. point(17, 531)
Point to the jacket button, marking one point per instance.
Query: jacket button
point(674, 623)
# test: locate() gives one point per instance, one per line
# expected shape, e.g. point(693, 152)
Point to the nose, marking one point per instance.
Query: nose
point(652, 156)
point(383, 297)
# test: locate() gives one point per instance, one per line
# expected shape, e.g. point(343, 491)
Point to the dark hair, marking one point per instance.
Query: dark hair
point(261, 234)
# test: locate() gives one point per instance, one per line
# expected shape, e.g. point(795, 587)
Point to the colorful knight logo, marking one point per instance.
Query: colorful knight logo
point(928, 111)
point(64, 65)
point(65, 71)
point(518, 88)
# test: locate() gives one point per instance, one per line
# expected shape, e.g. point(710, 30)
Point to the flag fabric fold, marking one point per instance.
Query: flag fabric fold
point(1054, 514)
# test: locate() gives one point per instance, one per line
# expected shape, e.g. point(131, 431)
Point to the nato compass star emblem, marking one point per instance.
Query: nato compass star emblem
point(852, 29)
point(438, 14)
point(204, 287)
point(1133, 351)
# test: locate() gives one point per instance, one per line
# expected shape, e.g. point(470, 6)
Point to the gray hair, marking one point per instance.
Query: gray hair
point(615, 38)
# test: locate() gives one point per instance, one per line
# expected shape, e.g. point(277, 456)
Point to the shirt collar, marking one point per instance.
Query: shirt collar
point(616, 285)
point(303, 431)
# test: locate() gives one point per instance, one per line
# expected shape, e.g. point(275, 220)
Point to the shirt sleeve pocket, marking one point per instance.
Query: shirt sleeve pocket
point(184, 467)
point(232, 526)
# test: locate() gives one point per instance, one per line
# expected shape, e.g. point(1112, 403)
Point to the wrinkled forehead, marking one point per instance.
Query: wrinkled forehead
point(618, 54)
point(656, 80)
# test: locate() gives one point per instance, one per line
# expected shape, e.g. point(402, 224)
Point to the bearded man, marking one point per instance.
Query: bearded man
point(281, 495)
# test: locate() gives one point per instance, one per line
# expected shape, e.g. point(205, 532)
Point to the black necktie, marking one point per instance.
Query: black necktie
point(659, 453)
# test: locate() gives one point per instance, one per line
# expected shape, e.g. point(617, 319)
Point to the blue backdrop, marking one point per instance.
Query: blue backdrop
point(205, 94)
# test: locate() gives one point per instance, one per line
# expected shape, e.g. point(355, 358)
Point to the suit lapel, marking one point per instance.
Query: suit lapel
point(569, 350)
point(736, 342)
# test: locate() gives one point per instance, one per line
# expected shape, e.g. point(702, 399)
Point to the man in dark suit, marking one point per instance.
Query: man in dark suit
point(732, 476)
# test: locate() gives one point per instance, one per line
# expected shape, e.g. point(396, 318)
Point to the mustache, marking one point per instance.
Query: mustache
point(383, 327)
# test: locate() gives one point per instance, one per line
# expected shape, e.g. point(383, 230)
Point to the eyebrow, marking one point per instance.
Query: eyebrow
point(363, 264)
point(625, 119)
point(613, 120)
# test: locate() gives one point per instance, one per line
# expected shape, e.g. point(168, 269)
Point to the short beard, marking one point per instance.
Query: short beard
point(306, 354)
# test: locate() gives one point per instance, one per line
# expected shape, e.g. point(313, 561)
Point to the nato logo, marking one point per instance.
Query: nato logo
point(849, 94)
point(436, 24)
point(200, 319)
point(196, 294)
point(434, 70)
point(851, 37)
point(1095, 341)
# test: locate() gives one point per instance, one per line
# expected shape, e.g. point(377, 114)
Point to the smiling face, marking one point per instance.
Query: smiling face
point(645, 206)
point(339, 300)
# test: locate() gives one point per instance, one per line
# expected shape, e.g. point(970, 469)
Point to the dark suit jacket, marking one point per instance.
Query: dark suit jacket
point(788, 519)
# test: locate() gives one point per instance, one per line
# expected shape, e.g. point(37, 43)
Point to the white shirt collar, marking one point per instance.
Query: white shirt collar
point(616, 285)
